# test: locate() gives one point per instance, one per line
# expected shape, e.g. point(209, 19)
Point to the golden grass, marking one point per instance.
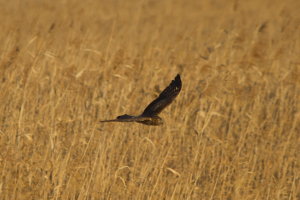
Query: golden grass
point(67, 65)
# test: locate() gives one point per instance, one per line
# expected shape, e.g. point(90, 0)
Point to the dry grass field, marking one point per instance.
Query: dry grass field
point(232, 133)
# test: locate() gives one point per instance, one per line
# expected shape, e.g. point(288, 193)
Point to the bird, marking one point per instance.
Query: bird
point(150, 114)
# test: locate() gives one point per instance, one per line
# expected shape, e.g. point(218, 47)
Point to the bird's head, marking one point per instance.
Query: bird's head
point(157, 121)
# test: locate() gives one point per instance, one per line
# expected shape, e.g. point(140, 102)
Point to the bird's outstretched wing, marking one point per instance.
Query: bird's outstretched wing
point(165, 98)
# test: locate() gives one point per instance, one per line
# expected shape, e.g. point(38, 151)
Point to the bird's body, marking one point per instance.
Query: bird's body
point(150, 114)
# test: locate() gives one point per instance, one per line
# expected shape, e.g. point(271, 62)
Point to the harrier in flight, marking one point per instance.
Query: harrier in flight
point(150, 114)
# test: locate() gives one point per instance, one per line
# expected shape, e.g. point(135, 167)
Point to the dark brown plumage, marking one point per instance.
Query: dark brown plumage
point(150, 114)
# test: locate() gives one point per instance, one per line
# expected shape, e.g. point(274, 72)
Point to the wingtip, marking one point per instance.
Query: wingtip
point(178, 80)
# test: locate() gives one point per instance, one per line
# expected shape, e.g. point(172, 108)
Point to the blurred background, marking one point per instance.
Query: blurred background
point(232, 133)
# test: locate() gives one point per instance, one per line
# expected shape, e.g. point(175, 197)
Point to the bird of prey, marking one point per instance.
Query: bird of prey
point(150, 114)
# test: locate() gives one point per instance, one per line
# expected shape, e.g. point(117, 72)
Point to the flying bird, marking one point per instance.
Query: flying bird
point(150, 114)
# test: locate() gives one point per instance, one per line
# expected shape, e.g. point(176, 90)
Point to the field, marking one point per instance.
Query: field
point(232, 132)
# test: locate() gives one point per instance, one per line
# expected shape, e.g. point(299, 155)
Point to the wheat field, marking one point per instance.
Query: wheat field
point(232, 132)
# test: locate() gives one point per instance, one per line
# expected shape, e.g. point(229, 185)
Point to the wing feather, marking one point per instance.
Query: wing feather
point(165, 98)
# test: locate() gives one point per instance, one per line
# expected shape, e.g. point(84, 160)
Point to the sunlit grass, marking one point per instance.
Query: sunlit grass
point(232, 133)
